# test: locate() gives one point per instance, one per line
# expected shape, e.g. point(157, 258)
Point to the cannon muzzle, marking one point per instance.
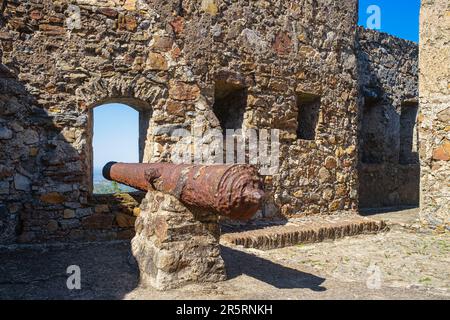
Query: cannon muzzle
point(235, 191)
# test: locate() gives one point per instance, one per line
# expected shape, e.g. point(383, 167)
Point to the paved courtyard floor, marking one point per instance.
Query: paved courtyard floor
point(404, 263)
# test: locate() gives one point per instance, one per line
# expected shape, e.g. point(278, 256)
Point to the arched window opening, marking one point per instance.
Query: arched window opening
point(115, 138)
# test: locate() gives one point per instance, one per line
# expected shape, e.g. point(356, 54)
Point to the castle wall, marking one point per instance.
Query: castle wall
point(347, 123)
point(169, 60)
point(434, 89)
point(389, 167)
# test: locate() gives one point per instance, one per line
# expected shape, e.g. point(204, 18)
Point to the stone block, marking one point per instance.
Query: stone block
point(52, 198)
point(130, 5)
point(184, 91)
point(5, 133)
point(70, 224)
point(83, 212)
point(5, 171)
point(127, 22)
point(69, 214)
point(109, 12)
point(52, 225)
point(161, 43)
point(156, 61)
point(283, 43)
point(324, 175)
point(442, 153)
point(124, 220)
point(4, 187)
point(101, 208)
point(177, 24)
point(3, 211)
point(52, 30)
point(174, 248)
point(210, 7)
point(22, 183)
point(330, 163)
point(98, 221)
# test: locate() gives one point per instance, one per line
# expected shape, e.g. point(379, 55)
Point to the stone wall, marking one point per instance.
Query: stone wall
point(388, 139)
point(175, 245)
point(435, 112)
point(168, 60)
point(287, 65)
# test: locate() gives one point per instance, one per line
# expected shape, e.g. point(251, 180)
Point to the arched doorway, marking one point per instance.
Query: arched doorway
point(115, 138)
point(117, 131)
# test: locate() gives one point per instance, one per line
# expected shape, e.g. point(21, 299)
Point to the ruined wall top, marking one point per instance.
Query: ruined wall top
point(388, 67)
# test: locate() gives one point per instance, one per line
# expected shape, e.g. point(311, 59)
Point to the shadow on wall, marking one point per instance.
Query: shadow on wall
point(38, 166)
point(389, 170)
point(46, 172)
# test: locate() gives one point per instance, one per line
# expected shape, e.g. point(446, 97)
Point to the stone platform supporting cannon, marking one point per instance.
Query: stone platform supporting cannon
point(177, 232)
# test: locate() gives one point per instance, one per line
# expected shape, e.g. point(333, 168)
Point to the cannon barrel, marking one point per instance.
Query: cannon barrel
point(235, 191)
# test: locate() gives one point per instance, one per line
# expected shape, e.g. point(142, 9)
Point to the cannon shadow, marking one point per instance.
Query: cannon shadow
point(279, 276)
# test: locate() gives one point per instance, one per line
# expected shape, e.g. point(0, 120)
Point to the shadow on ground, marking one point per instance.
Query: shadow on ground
point(40, 273)
point(366, 212)
point(108, 271)
point(281, 277)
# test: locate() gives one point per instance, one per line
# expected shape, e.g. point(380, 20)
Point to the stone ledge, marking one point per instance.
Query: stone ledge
point(308, 230)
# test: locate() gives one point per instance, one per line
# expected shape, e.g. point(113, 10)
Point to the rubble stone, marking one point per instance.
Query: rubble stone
point(5, 133)
point(22, 183)
point(434, 108)
point(53, 198)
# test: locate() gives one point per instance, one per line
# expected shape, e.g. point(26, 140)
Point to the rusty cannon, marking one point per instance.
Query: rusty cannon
point(177, 230)
point(234, 191)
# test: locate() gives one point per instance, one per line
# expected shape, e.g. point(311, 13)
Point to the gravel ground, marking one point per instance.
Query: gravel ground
point(399, 264)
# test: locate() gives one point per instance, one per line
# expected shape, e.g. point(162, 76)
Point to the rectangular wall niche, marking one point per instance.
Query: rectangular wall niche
point(373, 133)
point(308, 105)
point(409, 134)
point(230, 105)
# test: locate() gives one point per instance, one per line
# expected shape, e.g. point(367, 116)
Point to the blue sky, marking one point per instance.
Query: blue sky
point(116, 132)
point(398, 17)
point(116, 126)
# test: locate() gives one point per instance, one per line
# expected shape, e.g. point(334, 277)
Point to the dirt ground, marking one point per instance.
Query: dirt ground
point(404, 263)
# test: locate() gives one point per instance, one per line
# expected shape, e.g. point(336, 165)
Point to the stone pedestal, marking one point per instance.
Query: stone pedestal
point(175, 245)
